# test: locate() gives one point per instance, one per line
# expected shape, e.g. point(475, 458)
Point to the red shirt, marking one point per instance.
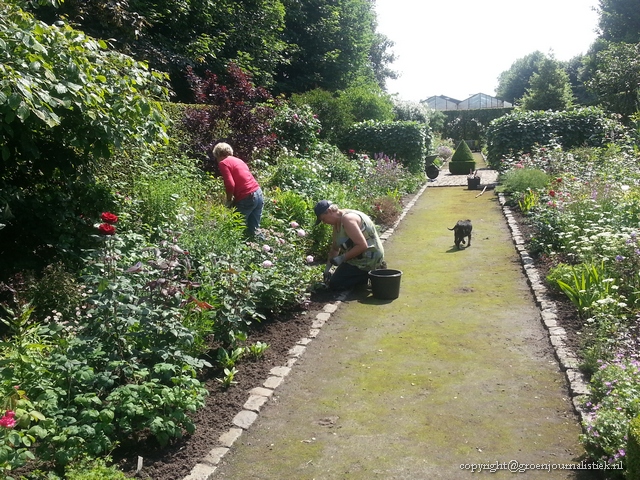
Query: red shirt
point(238, 180)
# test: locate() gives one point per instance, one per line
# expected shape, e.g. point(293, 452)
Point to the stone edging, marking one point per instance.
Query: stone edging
point(205, 469)
point(578, 385)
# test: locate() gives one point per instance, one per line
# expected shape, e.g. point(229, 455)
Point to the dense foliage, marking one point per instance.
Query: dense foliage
point(408, 142)
point(65, 102)
point(584, 206)
point(549, 88)
point(286, 45)
point(616, 81)
point(521, 131)
point(470, 125)
point(619, 20)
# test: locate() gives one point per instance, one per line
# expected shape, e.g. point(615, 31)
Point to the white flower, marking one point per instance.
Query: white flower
point(267, 264)
point(309, 258)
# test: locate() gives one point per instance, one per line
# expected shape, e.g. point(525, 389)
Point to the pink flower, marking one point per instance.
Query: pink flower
point(294, 224)
point(8, 420)
point(301, 233)
point(310, 259)
point(281, 241)
point(267, 264)
point(266, 248)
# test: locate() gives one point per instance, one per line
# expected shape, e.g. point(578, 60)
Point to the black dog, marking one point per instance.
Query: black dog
point(462, 229)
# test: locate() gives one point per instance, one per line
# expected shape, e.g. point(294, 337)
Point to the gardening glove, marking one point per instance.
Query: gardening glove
point(326, 276)
point(337, 260)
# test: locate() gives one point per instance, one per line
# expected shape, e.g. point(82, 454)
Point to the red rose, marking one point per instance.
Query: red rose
point(109, 217)
point(106, 229)
point(552, 193)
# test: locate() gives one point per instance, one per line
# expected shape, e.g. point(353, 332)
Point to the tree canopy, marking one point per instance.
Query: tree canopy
point(286, 45)
point(65, 99)
point(549, 88)
point(619, 20)
point(617, 78)
point(513, 83)
point(331, 45)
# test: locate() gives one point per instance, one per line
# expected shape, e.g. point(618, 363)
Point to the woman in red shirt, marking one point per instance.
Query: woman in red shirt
point(242, 189)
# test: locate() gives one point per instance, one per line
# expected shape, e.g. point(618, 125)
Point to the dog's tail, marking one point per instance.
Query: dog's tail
point(451, 228)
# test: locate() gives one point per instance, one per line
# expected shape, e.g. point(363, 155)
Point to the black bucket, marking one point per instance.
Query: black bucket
point(385, 283)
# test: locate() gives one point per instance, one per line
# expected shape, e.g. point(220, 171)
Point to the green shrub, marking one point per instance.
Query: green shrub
point(288, 206)
point(463, 153)
point(462, 161)
point(613, 403)
point(368, 103)
point(302, 175)
point(633, 450)
point(519, 180)
point(333, 113)
point(562, 272)
point(296, 127)
point(93, 469)
point(521, 131)
point(407, 142)
point(470, 124)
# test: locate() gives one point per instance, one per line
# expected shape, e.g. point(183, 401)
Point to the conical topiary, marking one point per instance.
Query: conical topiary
point(462, 161)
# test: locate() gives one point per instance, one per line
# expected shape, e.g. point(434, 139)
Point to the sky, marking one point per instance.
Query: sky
point(458, 48)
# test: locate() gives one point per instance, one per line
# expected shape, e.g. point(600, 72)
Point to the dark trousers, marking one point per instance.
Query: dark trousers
point(347, 276)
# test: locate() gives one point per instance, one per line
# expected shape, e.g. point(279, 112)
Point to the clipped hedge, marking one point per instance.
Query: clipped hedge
point(520, 131)
point(470, 124)
point(462, 161)
point(408, 142)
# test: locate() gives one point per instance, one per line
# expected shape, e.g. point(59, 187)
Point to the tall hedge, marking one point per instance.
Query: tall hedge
point(520, 131)
point(470, 124)
point(407, 142)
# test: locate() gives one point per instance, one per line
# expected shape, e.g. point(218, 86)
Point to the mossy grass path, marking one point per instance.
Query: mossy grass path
point(457, 370)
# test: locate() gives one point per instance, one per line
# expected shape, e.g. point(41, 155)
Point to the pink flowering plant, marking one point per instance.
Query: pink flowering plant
point(614, 401)
point(22, 426)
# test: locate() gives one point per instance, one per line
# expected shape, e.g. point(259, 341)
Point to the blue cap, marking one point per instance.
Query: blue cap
point(320, 208)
